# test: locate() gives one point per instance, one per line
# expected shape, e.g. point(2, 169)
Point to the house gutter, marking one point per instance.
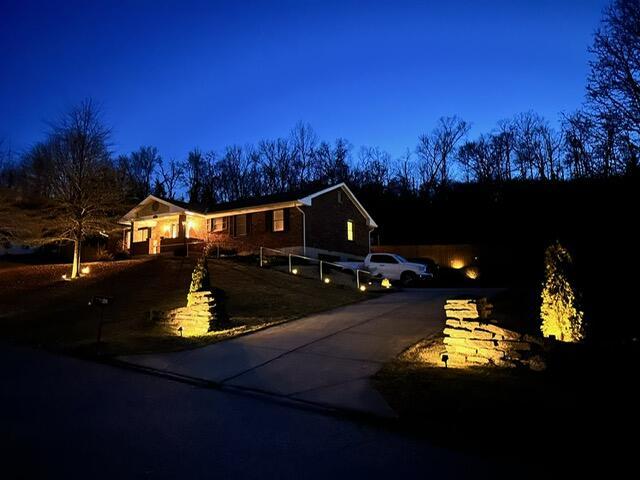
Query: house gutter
point(304, 231)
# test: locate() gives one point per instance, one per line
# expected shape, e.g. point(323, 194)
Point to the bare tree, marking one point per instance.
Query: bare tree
point(405, 174)
point(194, 173)
point(503, 141)
point(478, 160)
point(614, 80)
point(303, 143)
point(435, 151)
point(83, 198)
point(140, 167)
point(331, 164)
point(171, 176)
point(537, 148)
point(578, 130)
point(38, 169)
point(276, 164)
point(373, 167)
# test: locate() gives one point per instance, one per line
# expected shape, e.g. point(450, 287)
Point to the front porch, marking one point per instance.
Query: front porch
point(165, 234)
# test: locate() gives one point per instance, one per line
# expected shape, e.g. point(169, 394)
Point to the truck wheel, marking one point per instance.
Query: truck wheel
point(407, 278)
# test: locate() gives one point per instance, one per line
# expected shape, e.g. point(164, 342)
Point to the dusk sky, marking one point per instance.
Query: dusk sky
point(179, 75)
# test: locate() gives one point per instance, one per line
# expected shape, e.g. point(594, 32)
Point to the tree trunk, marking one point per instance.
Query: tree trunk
point(75, 269)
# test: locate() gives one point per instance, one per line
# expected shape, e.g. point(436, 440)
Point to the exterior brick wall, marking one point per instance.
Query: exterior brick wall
point(260, 234)
point(327, 224)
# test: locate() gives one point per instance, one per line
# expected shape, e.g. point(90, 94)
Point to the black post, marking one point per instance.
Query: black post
point(101, 307)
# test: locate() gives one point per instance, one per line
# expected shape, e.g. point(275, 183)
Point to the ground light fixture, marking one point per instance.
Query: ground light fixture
point(85, 270)
point(327, 280)
point(294, 271)
point(363, 288)
point(386, 283)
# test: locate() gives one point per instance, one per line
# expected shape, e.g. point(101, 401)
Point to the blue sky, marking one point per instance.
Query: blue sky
point(180, 75)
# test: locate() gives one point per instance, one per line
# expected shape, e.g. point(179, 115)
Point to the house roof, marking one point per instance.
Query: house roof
point(298, 197)
point(290, 196)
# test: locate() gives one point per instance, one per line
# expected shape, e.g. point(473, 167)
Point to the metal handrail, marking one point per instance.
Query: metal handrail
point(320, 262)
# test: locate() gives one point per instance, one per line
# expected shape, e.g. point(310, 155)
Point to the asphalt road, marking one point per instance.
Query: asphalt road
point(67, 418)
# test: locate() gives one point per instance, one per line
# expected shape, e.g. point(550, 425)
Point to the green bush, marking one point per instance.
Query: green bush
point(200, 277)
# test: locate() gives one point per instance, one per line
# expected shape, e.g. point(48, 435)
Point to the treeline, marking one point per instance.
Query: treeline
point(523, 148)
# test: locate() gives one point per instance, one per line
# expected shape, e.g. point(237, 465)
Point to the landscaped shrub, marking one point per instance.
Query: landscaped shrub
point(103, 255)
point(559, 312)
point(200, 277)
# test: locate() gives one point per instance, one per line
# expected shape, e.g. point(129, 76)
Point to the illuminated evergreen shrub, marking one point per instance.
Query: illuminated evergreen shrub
point(559, 312)
point(200, 276)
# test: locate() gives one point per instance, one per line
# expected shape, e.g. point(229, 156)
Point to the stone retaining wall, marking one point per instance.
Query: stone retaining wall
point(472, 338)
point(194, 319)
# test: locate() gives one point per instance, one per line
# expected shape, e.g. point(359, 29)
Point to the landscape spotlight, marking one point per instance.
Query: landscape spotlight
point(85, 270)
point(327, 280)
point(294, 271)
point(362, 288)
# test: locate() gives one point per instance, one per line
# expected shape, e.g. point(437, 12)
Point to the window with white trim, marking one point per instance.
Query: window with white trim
point(278, 220)
point(141, 234)
point(218, 224)
point(350, 236)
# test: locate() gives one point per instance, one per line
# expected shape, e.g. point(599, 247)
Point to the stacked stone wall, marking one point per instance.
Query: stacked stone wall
point(472, 338)
point(195, 319)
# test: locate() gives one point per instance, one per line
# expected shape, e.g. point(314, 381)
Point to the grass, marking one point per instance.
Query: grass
point(574, 412)
point(39, 308)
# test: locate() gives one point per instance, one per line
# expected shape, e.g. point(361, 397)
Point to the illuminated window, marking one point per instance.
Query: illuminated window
point(141, 235)
point(218, 224)
point(241, 225)
point(278, 220)
point(174, 230)
point(350, 230)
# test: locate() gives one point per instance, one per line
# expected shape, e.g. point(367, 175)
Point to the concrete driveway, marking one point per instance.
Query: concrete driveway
point(325, 359)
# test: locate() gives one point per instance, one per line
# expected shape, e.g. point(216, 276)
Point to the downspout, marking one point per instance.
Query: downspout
point(304, 231)
point(370, 232)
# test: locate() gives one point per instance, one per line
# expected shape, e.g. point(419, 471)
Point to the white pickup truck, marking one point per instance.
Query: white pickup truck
point(391, 266)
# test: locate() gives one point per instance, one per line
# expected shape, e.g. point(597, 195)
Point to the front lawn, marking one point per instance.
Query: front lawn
point(40, 308)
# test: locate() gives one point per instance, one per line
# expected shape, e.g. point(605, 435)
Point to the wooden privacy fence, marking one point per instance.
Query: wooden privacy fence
point(453, 256)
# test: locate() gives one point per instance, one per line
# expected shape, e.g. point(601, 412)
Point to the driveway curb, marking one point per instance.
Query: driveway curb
point(307, 405)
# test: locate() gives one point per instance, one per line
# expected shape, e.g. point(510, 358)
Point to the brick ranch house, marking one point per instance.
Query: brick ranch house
point(330, 223)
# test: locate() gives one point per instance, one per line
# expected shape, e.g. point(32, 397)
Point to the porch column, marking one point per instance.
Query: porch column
point(131, 237)
point(182, 226)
